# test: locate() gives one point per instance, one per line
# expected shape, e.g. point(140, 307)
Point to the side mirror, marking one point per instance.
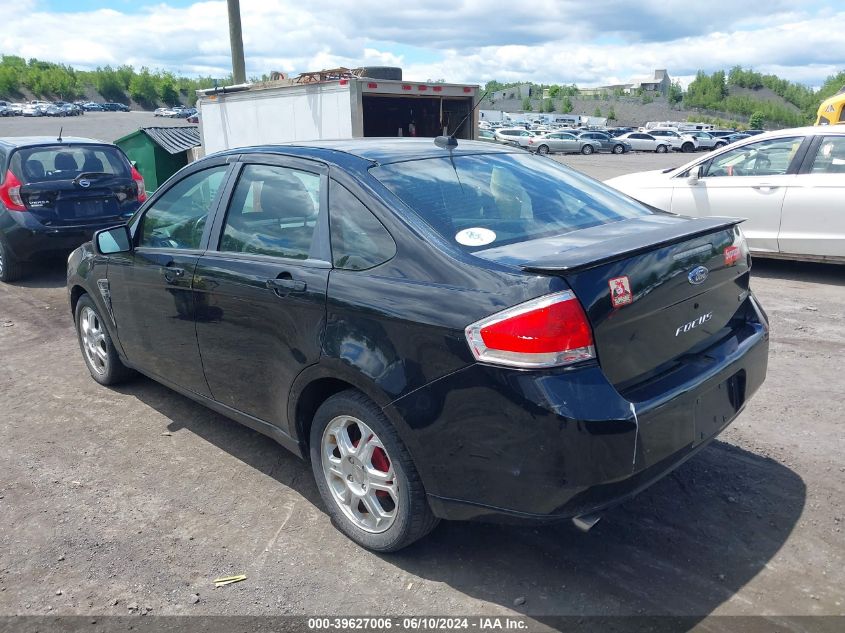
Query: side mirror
point(695, 173)
point(113, 240)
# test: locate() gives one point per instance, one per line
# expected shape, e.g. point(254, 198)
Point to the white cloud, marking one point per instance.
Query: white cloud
point(594, 43)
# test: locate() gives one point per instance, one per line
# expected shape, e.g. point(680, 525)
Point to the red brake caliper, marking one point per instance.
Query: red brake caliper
point(380, 462)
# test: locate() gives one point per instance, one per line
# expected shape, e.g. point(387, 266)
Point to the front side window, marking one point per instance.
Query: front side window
point(491, 200)
point(273, 212)
point(178, 216)
point(359, 240)
point(830, 158)
point(764, 158)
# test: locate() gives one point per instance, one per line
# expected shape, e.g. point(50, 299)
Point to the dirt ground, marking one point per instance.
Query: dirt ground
point(132, 500)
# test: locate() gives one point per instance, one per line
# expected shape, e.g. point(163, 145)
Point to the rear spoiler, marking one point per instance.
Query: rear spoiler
point(622, 247)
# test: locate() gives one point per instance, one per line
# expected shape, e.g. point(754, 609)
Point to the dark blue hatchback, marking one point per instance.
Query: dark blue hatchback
point(55, 192)
point(446, 332)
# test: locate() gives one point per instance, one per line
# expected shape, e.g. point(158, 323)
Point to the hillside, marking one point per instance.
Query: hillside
point(629, 111)
point(24, 80)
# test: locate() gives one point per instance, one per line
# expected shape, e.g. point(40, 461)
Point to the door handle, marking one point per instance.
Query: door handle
point(172, 273)
point(285, 285)
point(764, 185)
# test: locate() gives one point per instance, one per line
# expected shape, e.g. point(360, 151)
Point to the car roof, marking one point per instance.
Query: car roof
point(8, 142)
point(28, 141)
point(374, 150)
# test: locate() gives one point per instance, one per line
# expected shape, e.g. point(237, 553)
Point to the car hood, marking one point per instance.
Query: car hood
point(638, 180)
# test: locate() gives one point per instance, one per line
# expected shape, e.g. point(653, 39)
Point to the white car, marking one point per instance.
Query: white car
point(679, 142)
point(789, 184)
point(644, 142)
point(514, 136)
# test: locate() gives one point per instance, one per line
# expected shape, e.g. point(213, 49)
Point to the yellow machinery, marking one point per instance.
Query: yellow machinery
point(832, 110)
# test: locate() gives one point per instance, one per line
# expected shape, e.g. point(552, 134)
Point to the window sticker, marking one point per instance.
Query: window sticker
point(475, 237)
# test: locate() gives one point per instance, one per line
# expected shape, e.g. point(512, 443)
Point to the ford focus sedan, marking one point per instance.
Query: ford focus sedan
point(789, 184)
point(445, 331)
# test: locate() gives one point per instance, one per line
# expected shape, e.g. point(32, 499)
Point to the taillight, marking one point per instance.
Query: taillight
point(10, 193)
point(546, 332)
point(139, 181)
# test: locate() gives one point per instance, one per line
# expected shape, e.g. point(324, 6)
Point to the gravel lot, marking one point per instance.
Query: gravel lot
point(132, 500)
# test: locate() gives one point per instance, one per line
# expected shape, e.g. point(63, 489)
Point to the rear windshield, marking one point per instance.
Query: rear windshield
point(488, 200)
point(66, 162)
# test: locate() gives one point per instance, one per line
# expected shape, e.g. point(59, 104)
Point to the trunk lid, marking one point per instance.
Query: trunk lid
point(675, 290)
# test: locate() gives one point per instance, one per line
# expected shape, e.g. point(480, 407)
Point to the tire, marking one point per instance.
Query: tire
point(383, 72)
point(686, 148)
point(10, 268)
point(618, 149)
point(719, 145)
point(587, 150)
point(543, 149)
point(406, 515)
point(97, 348)
point(660, 149)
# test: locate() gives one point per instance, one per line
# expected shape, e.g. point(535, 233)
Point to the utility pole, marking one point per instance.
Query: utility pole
point(236, 41)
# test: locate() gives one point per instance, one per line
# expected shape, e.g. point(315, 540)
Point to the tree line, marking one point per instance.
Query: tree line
point(58, 81)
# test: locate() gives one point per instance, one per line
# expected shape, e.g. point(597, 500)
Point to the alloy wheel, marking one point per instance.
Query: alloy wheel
point(93, 340)
point(360, 474)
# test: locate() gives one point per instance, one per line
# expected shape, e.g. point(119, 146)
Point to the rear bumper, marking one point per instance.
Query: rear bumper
point(28, 239)
point(505, 444)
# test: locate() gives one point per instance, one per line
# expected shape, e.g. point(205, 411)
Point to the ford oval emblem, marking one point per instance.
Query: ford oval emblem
point(698, 275)
point(84, 183)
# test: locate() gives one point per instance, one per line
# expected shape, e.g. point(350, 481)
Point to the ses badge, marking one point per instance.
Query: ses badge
point(620, 291)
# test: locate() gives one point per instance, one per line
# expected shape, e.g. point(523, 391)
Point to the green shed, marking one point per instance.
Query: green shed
point(159, 152)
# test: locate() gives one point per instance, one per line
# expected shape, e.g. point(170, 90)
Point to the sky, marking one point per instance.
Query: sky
point(590, 43)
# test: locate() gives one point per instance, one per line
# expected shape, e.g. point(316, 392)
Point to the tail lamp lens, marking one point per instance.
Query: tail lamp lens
point(10, 193)
point(139, 181)
point(550, 331)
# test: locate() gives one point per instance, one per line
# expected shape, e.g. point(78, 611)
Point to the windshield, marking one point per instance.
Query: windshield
point(495, 199)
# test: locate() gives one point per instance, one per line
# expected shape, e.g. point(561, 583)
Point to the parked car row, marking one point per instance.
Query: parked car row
point(176, 112)
point(662, 138)
point(58, 108)
point(560, 141)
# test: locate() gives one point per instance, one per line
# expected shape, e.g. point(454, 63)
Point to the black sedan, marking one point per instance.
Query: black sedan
point(445, 331)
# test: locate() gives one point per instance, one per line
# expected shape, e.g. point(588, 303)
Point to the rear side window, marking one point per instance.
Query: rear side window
point(489, 200)
point(359, 240)
point(66, 162)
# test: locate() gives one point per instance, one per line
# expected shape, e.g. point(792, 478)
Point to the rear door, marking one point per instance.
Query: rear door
point(750, 182)
point(813, 216)
point(75, 184)
point(261, 287)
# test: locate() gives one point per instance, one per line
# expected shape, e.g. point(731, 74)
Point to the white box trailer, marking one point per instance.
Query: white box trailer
point(279, 112)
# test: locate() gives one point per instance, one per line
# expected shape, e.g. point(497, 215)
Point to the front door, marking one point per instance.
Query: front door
point(150, 287)
point(261, 287)
point(750, 182)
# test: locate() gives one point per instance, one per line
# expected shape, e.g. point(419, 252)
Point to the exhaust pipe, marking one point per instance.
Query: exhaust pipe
point(586, 522)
